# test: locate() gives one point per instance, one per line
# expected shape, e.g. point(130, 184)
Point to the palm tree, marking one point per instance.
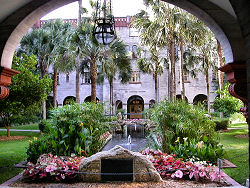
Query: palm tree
point(58, 34)
point(162, 30)
point(153, 63)
point(85, 47)
point(190, 31)
point(202, 58)
point(220, 64)
point(116, 62)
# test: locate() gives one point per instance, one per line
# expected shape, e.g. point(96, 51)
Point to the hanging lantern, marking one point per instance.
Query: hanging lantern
point(104, 30)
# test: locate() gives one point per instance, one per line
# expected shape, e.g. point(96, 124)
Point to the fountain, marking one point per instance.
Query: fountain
point(129, 139)
point(130, 129)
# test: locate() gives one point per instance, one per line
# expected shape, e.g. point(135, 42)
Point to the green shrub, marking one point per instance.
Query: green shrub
point(39, 146)
point(180, 120)
point(193, 149)
point(227, 103)
point(238, 117)
point(75, 128)
point(44, 126)
point(221, 123)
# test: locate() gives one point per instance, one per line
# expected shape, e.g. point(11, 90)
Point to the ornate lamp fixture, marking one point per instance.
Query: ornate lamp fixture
point(104, 30)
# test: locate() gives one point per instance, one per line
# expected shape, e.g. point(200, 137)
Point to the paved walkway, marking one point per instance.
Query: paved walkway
point(21, 130)
point(230, 128)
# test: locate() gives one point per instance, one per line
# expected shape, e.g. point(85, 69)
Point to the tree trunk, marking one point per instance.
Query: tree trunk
point(111, 96)
point(182, 72)
point(79, 20)
point(8, 130)
point(220, 64)
point(77, 84)
point(156, 86)
point(172, 70)
point(208, 90)
point(93, 76)
point(55, 82)
point(44, 111)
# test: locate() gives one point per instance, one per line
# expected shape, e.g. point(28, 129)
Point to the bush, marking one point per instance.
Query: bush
point(237, 117)
point(227, 103)
point(44, 126)
point(221, 123)
point(75, 128)
point(177, 121)
point(39, 146)
point(202, 150)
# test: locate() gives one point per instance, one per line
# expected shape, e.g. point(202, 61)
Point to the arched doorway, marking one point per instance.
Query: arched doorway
point(118, 105)
point(88, 99)
point(178, 97)
point(135, 107)
point(151, 103)
point(68, 100)
point(201, 98)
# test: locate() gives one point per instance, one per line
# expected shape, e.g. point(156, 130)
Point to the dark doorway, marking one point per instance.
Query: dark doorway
point(200, 99)
point(88, 99)
point(119, 169)
point(69, 100)
point(135, 107)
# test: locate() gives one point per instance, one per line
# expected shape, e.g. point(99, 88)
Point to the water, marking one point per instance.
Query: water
point(135, 141)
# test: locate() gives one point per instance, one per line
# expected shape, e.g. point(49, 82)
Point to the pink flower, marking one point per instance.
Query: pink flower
point(212, 176)
point(202, 174)
point(43, 175)
point(62, 176)
point(50, 168)
point(179, 174)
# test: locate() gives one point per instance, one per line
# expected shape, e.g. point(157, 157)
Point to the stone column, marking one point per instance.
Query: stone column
point(5, 80)
point(237, 75)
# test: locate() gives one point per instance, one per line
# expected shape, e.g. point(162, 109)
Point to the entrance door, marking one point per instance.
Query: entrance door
point(135, 108)
point(135, 105)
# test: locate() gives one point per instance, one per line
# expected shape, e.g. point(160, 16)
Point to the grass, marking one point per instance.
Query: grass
point(23, 133)
point(235, 147)
point(33, 126)
point(11, 153)
point(236, 125)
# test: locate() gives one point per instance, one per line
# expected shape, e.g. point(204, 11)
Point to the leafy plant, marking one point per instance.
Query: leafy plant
point(170, 167)
point(221, 123)
point(75, 128)
point(202, 150)
point(179, 119)
point(53, 168)
point(227, 103)
point(26, 91)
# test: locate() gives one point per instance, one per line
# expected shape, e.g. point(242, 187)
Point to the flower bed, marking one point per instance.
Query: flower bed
point(53, 168)
point(170, 167)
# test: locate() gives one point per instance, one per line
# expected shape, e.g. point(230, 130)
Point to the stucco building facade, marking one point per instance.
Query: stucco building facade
point(139, 93)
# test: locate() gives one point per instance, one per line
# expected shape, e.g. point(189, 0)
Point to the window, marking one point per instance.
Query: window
point(185, 76)
point(214, 76)
point(135, 76)
point(134, 51)
point(86, 78)
point(127, 48)
point(133, 32)
point(67, 77)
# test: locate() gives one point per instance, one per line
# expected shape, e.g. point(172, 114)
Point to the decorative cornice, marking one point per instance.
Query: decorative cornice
point(5, 75)
point(5, 80)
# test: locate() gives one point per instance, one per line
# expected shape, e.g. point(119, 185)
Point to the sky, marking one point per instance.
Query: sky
point(121, 8)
